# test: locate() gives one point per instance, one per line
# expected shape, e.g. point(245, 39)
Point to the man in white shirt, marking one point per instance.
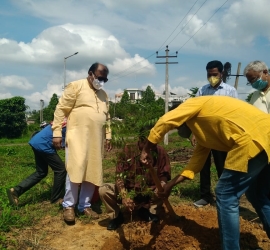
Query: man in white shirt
point(257, 75)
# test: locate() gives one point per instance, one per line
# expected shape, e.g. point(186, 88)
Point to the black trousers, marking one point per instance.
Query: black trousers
point(42, 161)
point(205, 174)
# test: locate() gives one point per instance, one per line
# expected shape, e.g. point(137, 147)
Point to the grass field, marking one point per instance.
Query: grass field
point(17, 162)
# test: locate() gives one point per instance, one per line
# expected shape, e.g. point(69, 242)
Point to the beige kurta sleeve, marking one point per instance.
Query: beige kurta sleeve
point(108, 132)
point(63, 108)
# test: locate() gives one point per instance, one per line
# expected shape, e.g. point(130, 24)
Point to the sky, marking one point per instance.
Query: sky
point(36, 36)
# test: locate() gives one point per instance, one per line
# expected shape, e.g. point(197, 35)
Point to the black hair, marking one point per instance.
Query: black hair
point(215, 64)
point(94, 67)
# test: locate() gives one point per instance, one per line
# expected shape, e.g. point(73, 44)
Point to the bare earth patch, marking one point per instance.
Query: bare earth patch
point(195, 229)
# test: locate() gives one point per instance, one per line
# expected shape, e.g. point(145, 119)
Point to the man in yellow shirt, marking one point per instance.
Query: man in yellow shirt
point(234, 126)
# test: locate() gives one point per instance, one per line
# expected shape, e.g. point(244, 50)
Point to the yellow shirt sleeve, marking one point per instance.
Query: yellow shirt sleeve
point(63, 108)
point(196, 162)
point(172, 119)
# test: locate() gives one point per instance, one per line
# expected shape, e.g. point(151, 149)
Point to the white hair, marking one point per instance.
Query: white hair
point(257, 66)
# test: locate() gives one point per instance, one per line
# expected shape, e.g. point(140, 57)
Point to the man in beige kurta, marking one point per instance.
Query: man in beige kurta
point(86, 106)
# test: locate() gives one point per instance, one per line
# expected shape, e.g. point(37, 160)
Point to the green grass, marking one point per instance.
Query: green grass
point(17, 162)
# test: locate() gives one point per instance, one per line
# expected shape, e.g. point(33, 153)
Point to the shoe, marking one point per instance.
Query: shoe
point(69, 214)
point(200, 203)
point(116, 222)
point(90, 213)
point(12, 197)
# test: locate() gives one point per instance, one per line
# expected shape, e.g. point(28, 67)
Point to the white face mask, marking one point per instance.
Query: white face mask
point(97, 84)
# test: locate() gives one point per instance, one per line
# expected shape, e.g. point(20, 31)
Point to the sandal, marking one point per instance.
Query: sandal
point(12, 197)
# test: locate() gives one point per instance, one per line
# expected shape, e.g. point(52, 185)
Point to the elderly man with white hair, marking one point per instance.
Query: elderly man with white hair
point(257, 75)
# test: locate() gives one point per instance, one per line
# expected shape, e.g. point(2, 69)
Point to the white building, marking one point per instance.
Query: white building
point(136, 94)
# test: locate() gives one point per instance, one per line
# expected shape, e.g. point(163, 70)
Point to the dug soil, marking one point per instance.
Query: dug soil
point(194, 228)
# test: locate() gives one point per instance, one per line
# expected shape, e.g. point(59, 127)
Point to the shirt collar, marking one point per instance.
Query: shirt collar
point(221, 86)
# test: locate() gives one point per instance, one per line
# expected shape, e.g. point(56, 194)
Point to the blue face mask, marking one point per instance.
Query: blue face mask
point(259, 84)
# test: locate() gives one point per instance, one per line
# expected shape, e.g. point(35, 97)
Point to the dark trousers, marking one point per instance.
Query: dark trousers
point(205, 174)
point(42, 161)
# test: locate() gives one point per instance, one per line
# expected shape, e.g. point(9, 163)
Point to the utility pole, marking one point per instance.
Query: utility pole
point(166, 82)
point(237, 75)
point(65, 58)
point(41, 110)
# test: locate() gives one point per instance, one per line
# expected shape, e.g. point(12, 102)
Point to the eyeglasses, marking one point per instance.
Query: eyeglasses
point(103, 79)
point(253, 80)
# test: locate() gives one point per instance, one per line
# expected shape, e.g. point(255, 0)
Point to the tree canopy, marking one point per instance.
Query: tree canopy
point(12, 117)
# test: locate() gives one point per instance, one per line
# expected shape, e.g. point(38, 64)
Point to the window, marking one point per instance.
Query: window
point(132, 96)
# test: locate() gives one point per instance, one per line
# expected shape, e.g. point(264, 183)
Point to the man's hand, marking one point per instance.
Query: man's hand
point(193, 140)
point(162, 183)
point(108, 145)
point(167, 188)
point(57, 143)
point(128, 203)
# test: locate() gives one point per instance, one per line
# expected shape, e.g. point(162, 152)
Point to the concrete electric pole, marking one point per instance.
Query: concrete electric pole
point(166, 83)
point(41, 110)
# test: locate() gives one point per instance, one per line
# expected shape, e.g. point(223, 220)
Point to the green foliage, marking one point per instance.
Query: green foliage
point(125, 98)
point(136, 115)
point(48, 112)
point(249, 97)
point(193, 92)
point(17, 163)
point(148, 96)
point(12, 117)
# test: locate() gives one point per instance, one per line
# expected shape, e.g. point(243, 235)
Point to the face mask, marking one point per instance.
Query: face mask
point(259, 84)
point(213, 80)
point(97, 84)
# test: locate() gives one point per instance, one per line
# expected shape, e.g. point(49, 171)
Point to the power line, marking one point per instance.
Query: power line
point(180, 47)
point(119, 73)
point(203, 25)
point(178, 25)
point(188, 22)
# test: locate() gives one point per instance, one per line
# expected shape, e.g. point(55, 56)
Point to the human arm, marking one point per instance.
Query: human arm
point(122, 171)
point(108, 132)
point(175, 118)
point(167, 188)
point(63, 108)
point(126, 201)
point(194, 166)
point(193, 140)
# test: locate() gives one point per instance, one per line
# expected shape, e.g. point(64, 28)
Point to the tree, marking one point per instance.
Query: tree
point(148, 96)
point(48, 112)
point(193, 92)
point(125, 98)
point(12, 117)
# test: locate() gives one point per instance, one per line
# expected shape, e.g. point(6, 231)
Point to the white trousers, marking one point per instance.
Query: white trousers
point(72, 192)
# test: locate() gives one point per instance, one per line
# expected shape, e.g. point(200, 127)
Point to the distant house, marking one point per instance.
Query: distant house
point(136, 94)
point(30, 121)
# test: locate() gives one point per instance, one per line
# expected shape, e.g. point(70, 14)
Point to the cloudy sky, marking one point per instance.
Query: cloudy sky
point(35, 36)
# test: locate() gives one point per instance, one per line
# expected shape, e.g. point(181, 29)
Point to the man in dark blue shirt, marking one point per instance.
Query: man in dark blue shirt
point(45, 155)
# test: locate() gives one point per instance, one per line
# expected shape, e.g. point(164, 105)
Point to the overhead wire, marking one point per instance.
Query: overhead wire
point(181, 46)
point(202, 25)
point(178, 24)
point(187, 22)
point(119, 73)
